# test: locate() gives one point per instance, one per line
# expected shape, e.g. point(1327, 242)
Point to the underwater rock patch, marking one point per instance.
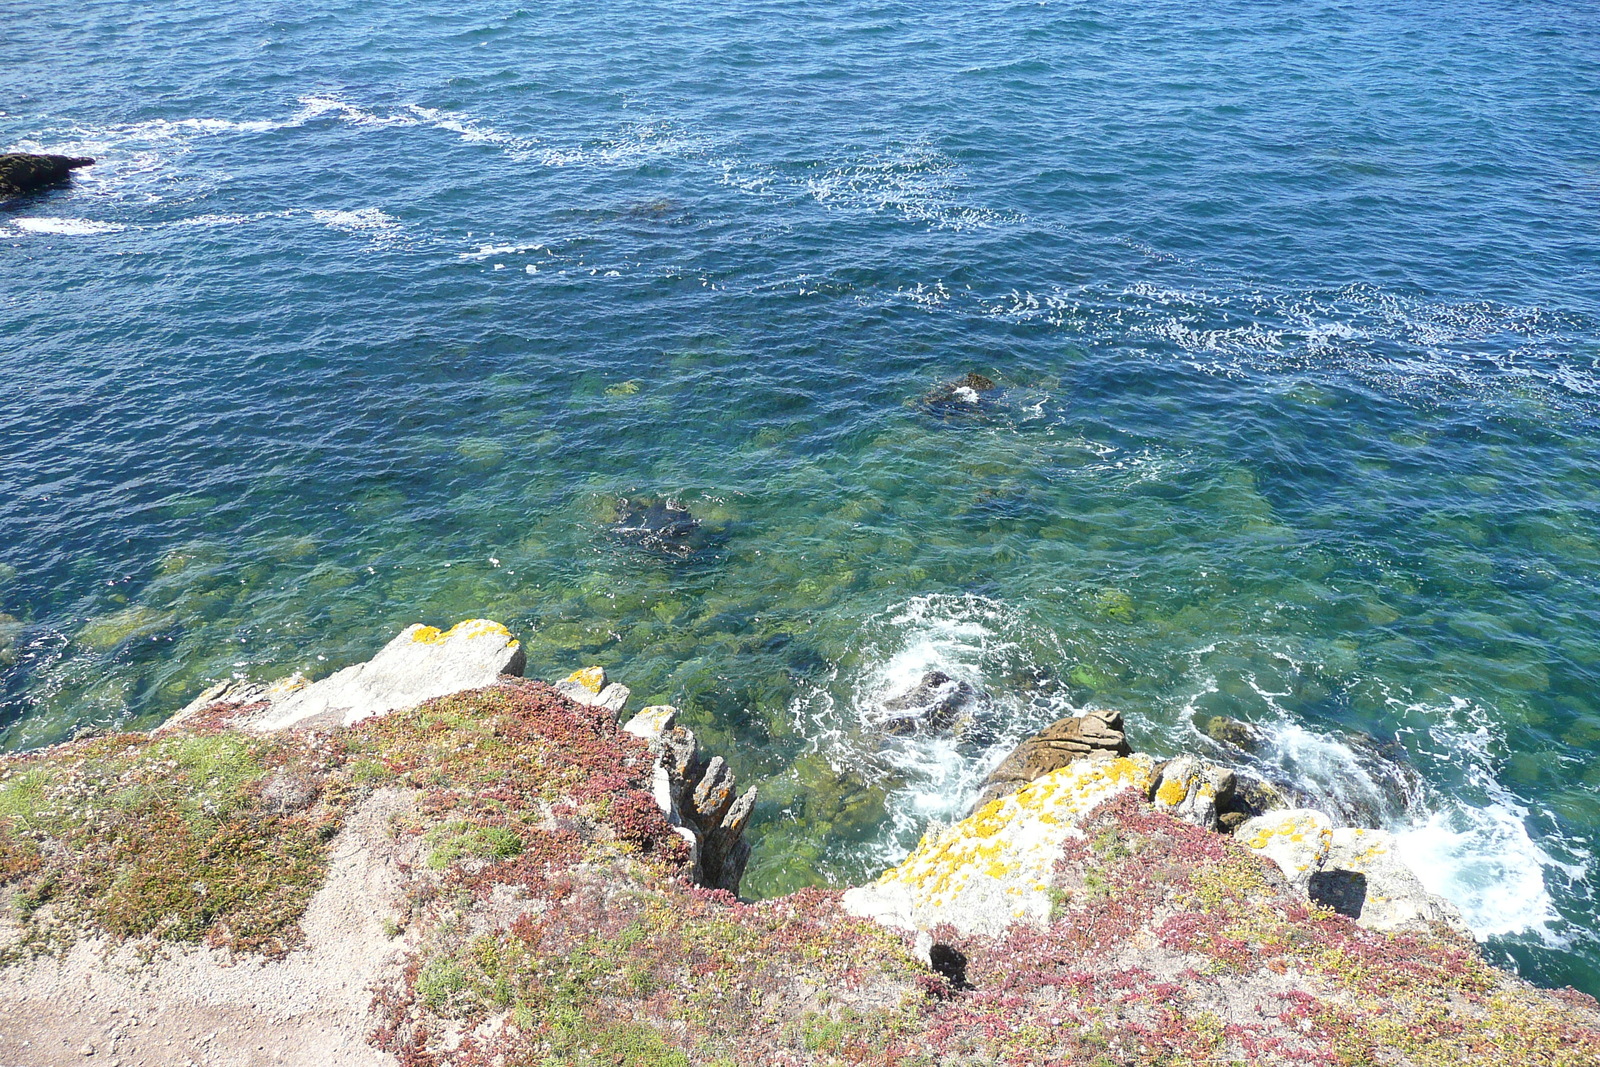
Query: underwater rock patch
point(661, 525)
point(10, 629)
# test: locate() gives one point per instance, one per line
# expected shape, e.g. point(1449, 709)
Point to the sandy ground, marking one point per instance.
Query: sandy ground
point(200, 1007)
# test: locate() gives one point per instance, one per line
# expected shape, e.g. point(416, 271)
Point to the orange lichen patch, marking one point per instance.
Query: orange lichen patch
point(991, 866)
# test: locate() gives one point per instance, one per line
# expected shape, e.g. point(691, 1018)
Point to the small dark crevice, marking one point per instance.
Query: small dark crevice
point(951, 963)
point(1343, 891)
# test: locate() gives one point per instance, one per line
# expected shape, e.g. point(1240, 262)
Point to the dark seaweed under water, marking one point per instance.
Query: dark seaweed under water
point(370, 316)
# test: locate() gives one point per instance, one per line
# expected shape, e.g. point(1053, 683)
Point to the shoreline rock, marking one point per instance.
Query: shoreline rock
point(1067, 739)
point(697, 797)
point(420, 664)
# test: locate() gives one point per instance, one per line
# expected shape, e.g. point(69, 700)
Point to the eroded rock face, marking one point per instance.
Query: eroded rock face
point(1354, 870)
point(423, 662)
point(22, 173)
point(933, 705)
point(991, 869)
point(698, 797)
point(1096, 731)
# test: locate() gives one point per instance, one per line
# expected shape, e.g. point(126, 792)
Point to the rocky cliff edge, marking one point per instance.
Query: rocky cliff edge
point(426, 859)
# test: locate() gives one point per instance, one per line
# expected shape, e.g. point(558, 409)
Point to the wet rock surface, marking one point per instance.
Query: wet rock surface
point(22, 173)
point(966, 395)
point(1371, 780)
point(936, 704)
point(1240, 735)
point(1095, 732)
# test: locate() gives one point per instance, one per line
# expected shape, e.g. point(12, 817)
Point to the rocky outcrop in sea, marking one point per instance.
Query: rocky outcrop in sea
point(22, 173)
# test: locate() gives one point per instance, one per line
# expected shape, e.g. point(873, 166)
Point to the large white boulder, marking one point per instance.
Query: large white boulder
point(1355, 871)
point(993, 868)
point(422, 663)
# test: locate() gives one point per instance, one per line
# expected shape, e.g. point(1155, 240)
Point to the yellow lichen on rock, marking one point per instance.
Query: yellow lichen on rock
point(467, 630)
point(591, 678)
point(993, 867)
point(1172, 792)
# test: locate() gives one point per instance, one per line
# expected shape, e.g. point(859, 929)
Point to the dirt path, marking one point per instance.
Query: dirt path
point(196, 1006)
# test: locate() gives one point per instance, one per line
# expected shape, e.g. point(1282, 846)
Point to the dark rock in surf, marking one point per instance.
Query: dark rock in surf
point(933, 705)
point(964, 396)
point(22, 173)
point(1075, 737)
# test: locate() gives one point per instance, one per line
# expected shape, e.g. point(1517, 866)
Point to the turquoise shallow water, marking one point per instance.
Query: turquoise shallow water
point(369, 317)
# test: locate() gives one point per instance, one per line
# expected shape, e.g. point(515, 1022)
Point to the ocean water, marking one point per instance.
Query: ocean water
point(371, 315)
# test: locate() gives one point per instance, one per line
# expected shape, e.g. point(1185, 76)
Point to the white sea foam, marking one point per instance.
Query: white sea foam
point(1482, 860)
point(66, 227)
point(1382, 339)
point(1469, 842)
point(978, 640)
point(490, 250)
point(1436, 788)
point(375, 224)
point(915, 181)
point(224, 219)
point(316, 106)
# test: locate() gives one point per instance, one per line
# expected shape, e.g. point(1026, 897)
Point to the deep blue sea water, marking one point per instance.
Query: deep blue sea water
point(371, 314)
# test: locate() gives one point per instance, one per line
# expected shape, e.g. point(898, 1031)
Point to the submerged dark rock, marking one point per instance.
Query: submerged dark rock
point(22, 172)
point(933, 705)
point(661, 525)
point(963, 396)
